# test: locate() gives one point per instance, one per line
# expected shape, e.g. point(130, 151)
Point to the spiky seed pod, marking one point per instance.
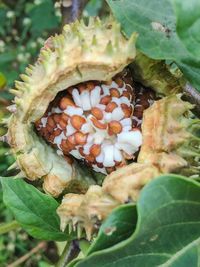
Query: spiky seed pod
point(57, 97)
point(81, 53)
point(171, 136)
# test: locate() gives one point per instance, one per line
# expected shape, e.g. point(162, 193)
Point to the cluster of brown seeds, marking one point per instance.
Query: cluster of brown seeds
point(97, 122)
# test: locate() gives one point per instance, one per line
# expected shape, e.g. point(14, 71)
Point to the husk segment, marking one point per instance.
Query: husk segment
point(171, 137)
point(155, 74)
point(170, 144)
point(81, 53)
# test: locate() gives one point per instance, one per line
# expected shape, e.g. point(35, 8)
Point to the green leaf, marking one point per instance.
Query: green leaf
point(188, 24)
point(35, 211)
point(2, 81)
point(119, 226)
point(167, 232)
point(43, 17)
point(155, 21)
point(93, 7)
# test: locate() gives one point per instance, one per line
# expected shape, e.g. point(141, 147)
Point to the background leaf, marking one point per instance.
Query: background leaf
point(42, 17)
point(188, 24)
point(167, 232)
point(35, 211)
point(155, 21)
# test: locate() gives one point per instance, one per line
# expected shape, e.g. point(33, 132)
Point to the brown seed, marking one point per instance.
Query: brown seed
point(128, 80)
point(95, 150)
point(127, 156)
point(64, 117)
point(110, 169)
point(56, 118)
point(119, 81)
point(90, 158)
point(65, 102)
point(97, 113)
point(135, 129)
point(108, 82)
point(90, 85)
point(49, 128)
point(138, 112)
point(38, 123)
point(110, 107)
point(99, 124)
point(44, 132)
point(145, 104)
point(81, 87)
point(129, 89)
point(66, 146)
point(77, 121)
point(105, 100)
point(115, 127)
point(100, 165)
point(47, 136)
point(70, 145)
point(81, 151)
point(121, 164)
point(69, 159)
point(80, 138)
point(110, 132)
point(57, 132)
point(127, 110)
point(51, 138)
point(117, 163)
point(51, 122)
point(127, 94)
point(72, 139)
point(114, 92)
point(70, 89)
point(63, 124)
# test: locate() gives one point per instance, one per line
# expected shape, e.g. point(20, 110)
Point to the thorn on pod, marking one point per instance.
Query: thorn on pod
point(12, 108)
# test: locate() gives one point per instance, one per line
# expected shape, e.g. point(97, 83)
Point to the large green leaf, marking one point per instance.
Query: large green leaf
point(118, 227)
point(188, 24)
point(167, 232)
point(155, 21)
point(35, 211)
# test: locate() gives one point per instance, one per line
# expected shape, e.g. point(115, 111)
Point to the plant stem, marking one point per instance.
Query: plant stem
point(193, 96)
point(70, 252)
point(7, 227)
point(72, 10)
point(41, 246)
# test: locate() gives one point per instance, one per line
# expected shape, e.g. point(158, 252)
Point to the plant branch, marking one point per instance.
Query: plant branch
point(193, 96)
point(7, 227)
point(38, 248)
point(72, 10)
point(70, 252)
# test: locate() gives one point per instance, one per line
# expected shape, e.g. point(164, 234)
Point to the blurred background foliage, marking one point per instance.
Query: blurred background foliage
point(24, 26)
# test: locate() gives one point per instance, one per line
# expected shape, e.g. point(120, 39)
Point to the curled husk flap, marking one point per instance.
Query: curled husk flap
point(171, 137)
point(155, 74)
point(81, 53)
point(171, 143)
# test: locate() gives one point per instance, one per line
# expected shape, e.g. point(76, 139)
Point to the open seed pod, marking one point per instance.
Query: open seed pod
point(81, 53)
point(79, 107)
